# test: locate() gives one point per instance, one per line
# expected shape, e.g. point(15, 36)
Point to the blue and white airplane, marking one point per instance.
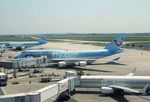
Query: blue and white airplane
point(23, 45)
point(76, 58)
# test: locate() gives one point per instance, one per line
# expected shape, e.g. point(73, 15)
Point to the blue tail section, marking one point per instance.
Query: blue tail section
point(43, 38)
point(116, 43)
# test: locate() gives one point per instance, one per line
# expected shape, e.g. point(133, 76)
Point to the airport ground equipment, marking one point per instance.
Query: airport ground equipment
point(24, 63)
point(60, 89)
point(45, 78)
point(2, 49)
point(3, 79)
point(50, 78)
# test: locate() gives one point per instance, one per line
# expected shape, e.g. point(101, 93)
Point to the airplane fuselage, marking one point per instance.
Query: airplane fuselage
point(27, 44)
point(59, 55)
point(126, 81)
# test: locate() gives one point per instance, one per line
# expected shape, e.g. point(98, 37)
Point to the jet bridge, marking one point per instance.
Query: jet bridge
point(24, 63)
point(58, 92)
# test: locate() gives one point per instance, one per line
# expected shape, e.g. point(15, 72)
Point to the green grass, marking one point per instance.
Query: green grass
point(143, 40)
point(90, 37)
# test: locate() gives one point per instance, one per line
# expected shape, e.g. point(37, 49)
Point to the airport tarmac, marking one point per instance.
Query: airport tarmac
point(129, 59)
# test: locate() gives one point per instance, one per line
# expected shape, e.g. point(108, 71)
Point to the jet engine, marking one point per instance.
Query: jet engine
point(107, 90)
point(18, 48)
point(62, 64)
point(23, 47)
point(13, 48)
point(82, 63)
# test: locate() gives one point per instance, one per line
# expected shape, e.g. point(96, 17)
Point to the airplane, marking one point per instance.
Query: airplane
point(82, 58)
point(23, 45)
point(117, 84)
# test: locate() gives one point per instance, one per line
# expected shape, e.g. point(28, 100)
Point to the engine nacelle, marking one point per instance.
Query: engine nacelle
point(107, 90)
point(62, 64)
point(82, 63)
point(13, 48)
point(18, 48)
point(23, 47)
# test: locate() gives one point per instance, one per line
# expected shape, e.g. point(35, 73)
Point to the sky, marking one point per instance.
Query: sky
point(74, 16)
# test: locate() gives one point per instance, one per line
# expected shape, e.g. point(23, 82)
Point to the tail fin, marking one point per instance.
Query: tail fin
point(144, 90)
point(116, 43)
point(43, 38)
point(132, 72)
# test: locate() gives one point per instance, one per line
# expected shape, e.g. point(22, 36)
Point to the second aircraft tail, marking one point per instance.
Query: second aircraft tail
point(43, 38)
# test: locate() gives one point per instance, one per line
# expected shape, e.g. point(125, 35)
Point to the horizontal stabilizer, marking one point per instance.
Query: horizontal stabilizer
point(132, 72)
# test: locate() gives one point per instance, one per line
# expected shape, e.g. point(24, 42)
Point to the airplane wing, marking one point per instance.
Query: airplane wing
point(127, 89)
point(132, 72)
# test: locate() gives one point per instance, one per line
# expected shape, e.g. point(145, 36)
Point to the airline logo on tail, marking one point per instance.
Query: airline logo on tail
point(43, 39)
point(118, 40)
point(118, 43)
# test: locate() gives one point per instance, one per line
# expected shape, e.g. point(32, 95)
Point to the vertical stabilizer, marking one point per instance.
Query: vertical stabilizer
point(43, 38)
point(115, 44)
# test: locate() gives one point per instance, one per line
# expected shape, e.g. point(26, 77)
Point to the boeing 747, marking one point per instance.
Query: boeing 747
point(23, 45)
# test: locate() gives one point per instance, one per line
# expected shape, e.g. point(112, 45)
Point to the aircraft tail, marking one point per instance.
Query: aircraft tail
point(115, 44)
point(132, 72)
point(43, 38)
point(144, 90)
